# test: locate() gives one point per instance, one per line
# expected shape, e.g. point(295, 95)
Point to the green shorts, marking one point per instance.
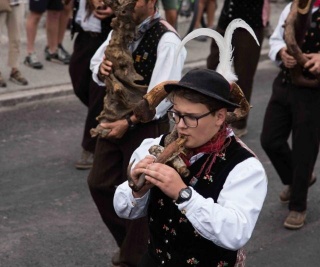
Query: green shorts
point(169, 4)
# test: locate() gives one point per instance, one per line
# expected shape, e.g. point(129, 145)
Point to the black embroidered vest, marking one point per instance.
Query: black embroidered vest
point(311, 44)
point(173, 240)
point(145, 56)
point(248, 10)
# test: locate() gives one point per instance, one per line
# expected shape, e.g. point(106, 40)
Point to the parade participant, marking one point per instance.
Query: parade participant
point(246, 53)
point(153, 51)
point(293, 110)
point(92, 28)
point(206, 218)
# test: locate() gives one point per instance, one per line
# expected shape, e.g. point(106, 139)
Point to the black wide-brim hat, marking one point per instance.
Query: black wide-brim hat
point(207, 82)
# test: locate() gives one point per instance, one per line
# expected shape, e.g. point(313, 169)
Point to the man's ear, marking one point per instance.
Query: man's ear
point(221, 115)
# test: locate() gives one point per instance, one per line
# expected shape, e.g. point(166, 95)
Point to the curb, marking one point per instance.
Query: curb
point(15, 98)
point(20, 97)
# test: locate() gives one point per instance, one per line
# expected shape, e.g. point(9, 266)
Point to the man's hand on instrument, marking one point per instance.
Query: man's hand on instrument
point(288, 60)
point(313, 63)
point(139, 169)
point(166, 178)
point(102, 12)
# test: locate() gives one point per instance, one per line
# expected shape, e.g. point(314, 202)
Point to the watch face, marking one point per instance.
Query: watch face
point(185, 194)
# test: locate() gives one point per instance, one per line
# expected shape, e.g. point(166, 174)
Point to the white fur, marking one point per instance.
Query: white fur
point(224, 44)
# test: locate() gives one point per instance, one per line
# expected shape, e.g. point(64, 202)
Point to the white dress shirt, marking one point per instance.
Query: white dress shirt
point(229, 222)
point(87, 23)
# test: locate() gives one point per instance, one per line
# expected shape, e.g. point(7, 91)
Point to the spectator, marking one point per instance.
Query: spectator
point(92, 28)
point(246, 53)
point(193, 221)
point(63, 25)
point(54, 51)
point(13, 21)
point(294, 109)
point(171, 11)
point(153, 52)
point(208, 7)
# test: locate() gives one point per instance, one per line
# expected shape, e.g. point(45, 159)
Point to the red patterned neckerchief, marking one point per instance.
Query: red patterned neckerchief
point(316, 3)
point(215, 147)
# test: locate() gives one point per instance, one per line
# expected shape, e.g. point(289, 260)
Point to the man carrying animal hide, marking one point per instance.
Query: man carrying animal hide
point(294, 108)
point(205, 217)
point(153, 52)
point(91, 28)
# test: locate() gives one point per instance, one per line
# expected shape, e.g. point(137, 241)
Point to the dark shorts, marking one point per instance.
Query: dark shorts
point(41, 6)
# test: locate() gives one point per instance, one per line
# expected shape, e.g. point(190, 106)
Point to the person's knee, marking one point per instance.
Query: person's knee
point(268, 144)
point(34, 17)
point(53, 16)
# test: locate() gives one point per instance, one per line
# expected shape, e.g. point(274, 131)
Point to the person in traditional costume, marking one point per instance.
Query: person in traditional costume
point(293, 110)
point(206, 218)
point(152, 49)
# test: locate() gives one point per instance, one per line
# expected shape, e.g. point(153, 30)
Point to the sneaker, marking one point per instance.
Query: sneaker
point(286, 192)
point(64, 53)
point(32, 61)
point(2, 82)
point(295, 220)
point(240, 132)
point(57, 57)
point(17, 78)
point(85, 162)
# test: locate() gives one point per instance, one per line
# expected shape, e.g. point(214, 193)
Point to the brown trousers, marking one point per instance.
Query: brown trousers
point(293, 111)
point(109, 169)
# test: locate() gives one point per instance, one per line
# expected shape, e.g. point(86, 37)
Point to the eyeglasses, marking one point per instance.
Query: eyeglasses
point(189, 120)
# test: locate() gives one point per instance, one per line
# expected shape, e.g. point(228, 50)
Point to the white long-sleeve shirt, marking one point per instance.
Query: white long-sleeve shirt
point(87, 23)
point(229, 223)
point(276, 41)
point(165, 68)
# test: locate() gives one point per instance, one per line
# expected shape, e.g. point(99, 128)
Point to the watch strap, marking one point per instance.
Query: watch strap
point(184, 195)
point(129, 121)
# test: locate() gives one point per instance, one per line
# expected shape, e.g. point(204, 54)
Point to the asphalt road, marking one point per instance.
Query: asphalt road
point(47, 216)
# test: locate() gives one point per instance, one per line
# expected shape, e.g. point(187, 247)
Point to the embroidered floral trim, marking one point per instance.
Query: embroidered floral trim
point(160, 202)
point(222, 264)
point(208, 178)
point(193, 261)
point(165, 227)
point(183, 220)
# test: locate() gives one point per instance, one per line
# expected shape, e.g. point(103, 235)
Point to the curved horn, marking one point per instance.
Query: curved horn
point(198, 32)
point(145, 110)
point(226, 59)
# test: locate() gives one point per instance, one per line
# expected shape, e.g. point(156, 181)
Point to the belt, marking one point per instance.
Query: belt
point(94, 34)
